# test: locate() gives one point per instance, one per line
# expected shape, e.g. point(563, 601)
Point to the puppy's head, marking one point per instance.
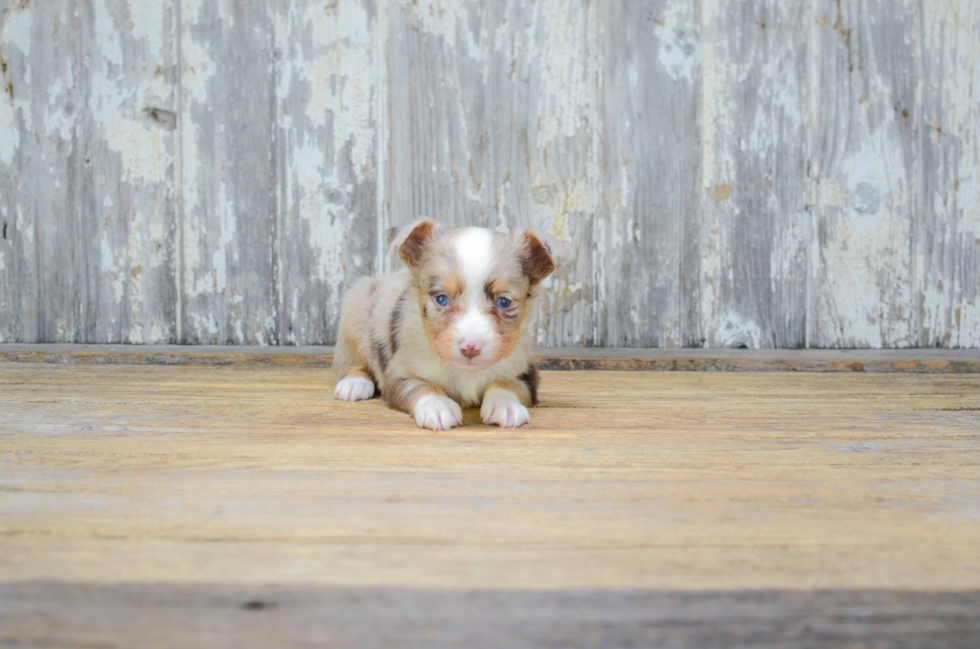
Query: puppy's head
point(474, 286)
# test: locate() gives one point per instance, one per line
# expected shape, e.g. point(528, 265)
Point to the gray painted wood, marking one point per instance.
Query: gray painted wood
point(39, 105)
point(773, 173)
point(327, 93)
point(755, 187)
point(126, 239)
point(229, 202)
point(437, 100)
point(864, 160)
point(650, 224)
point(226, 615)
point(494, 127)
point(541, 65)
point(89, 198)
point(948, 228)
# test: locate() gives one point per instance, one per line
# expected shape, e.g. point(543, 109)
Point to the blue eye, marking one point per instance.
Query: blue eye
point(442, 299)
point(503, 303)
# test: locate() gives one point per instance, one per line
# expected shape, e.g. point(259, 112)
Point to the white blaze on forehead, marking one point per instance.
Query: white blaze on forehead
point(474, 248)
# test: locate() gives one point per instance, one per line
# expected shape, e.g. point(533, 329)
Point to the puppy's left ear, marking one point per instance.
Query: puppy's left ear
point(410, 241)
point(543, 255)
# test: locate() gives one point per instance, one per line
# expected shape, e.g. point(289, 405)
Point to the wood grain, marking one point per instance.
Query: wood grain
point(755, 188)
point(682, 481)
point(542, 67)
point(213, 615)
point(227, 506)
point(127, 119)
point(917, 361)
point(494, 128)
point(650, 224)
point(327, 93)
point(864, 161)
point(41, 271)
point(437, 94)
point(948, 228)
point(229, 224)
point(767, 174)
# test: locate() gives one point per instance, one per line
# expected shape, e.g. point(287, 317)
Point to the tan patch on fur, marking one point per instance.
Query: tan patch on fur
point(403, 394)
point(358, 372)
point(499, 285)
point(517, 388)
point(451, 283)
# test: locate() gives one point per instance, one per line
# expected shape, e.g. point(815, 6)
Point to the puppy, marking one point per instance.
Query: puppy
point(450, 329)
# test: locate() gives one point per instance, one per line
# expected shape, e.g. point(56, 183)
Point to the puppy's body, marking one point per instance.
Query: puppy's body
point(381, 327)
point(450, 329)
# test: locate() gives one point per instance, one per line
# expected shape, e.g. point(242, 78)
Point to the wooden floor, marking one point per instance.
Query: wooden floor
point(179, 506)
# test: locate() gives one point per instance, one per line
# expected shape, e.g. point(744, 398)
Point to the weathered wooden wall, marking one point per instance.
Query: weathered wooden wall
point(760, 173)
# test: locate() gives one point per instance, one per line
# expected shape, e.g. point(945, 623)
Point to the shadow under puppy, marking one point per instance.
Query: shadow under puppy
point(449, 330)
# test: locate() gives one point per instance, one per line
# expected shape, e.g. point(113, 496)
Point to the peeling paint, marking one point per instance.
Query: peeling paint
point(443, 18)
point(146, 17)
point(565, 93)
point(948, 242)
point(326, 224)
point(733, 331)
point(9, 131)
point(18, 25)
point(339, 77)
point(672, 241)
point(115, 105)
point(679, 40)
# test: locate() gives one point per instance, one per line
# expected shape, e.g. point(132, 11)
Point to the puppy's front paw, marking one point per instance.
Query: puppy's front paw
point(504, 409)
point(354, 388)
point(437, 412)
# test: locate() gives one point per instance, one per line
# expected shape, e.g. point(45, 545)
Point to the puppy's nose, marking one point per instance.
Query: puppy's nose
point(470, 348)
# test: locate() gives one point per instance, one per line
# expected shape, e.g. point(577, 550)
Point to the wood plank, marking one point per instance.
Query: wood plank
point(18, 279)
point(948, 225)
point(541, 66)
point(650, 222)
point(40, 264)
point(241, 506)
point(211, 615)
point(229, 203)
point(327, 141)
point(624, 480)
point(756, 193)
point(125, 74)
point(864, 158)
point(436, 81)
point(570, 358)
point(494, 128)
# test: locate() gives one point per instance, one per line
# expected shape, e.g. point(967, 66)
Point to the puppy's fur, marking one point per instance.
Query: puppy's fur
point(450, 329)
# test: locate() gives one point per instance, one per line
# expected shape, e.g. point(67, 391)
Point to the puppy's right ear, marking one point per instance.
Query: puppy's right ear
point(410, 241)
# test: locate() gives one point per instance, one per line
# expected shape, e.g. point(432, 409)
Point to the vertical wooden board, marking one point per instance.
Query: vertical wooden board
point(492, 114)
point(649, 229)
point(228, 251)
point(437, 98)
point(863, 168)
point(542, 173)
point(39, 177)
point(327, 89)
point(948, 236)
point(127, 120)
point(755, 185)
